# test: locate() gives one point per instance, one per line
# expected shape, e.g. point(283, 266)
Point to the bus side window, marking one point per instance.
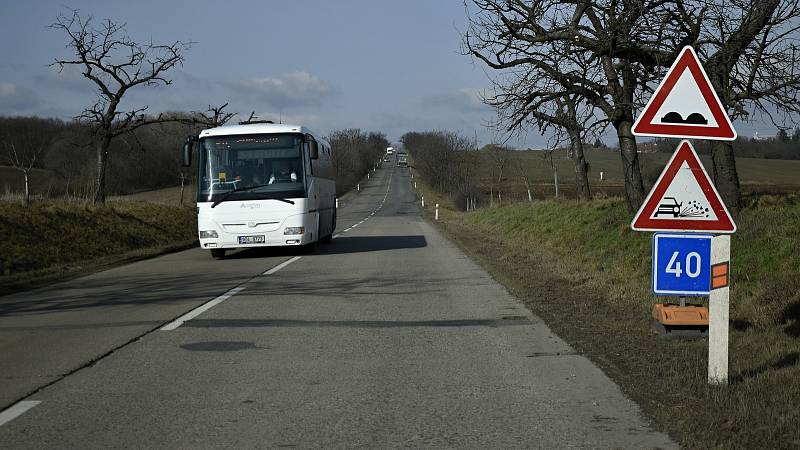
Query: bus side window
point(307, 158)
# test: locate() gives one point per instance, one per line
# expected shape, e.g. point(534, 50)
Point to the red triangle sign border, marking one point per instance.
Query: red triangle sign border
point(687, 60)
point(643, 221)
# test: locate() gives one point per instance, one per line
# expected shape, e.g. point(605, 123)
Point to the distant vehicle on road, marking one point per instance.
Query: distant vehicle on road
point(402, 160)
point(668, 206)
point(261, 184)
point(386, 158)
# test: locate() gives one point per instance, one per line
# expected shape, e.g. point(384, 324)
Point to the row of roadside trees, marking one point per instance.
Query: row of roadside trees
point(576, 67)
point(143, 159)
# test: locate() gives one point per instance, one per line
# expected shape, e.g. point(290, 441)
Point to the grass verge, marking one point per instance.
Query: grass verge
point(51, 240)
point(580, 268)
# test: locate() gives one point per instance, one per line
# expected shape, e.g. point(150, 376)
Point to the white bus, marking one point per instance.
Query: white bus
point(261, 184)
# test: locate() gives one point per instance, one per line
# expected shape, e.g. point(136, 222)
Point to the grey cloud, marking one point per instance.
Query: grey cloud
point(295, 89)
point(464, 100)
point(70, 79)
point(16, 100)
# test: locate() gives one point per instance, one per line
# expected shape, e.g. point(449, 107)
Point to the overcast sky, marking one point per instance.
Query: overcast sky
point(379, 65)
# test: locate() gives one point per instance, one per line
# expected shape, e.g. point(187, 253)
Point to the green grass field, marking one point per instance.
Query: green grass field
point(581, 268)
point(165, 196)
point(751, 170)
point(756, 175)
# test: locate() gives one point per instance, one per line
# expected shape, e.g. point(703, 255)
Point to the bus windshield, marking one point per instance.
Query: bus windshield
point(271, 164)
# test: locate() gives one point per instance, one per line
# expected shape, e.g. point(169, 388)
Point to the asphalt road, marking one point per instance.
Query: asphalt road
point(388, 337)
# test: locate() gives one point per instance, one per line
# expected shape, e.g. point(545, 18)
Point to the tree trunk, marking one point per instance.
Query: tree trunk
point(27, 189)
point(724, 175)
point(102, 162)
point(634, 188)
point(555, 178)
point(581, 167)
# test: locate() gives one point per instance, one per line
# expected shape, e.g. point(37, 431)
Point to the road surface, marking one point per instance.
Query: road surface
point(387, 337)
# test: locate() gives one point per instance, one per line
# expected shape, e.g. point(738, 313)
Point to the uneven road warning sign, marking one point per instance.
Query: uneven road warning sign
point(685, 105)
point(684, 199)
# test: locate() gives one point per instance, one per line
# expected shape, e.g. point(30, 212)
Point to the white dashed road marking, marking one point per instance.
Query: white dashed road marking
point(16, 410)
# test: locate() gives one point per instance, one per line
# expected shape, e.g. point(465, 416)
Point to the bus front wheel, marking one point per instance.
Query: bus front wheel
point(218, 254)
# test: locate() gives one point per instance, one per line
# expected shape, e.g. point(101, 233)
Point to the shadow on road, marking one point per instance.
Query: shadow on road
point(362, 244)
point(340, 245)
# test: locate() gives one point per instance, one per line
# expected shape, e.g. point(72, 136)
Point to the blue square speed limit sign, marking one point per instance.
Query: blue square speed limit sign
point(681, 264)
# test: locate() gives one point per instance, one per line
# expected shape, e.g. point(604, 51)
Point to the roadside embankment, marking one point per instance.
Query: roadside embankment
point(581, 268)
point(51, 240)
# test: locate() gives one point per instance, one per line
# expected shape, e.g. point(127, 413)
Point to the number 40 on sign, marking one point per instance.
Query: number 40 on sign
point(681, 264)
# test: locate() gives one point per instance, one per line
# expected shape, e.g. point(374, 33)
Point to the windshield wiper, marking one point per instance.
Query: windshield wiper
point(248, 188)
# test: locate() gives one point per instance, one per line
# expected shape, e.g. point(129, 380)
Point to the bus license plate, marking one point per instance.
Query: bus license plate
point(252, 239)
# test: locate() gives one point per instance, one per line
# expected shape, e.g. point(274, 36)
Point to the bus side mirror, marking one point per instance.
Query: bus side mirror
point(187, 154)
point(314, 150)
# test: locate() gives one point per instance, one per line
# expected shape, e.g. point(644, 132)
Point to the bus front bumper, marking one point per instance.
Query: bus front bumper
point(296, 230)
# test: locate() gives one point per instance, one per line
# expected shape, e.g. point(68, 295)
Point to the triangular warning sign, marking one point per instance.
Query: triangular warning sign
point(685, 105)
point(684, 199)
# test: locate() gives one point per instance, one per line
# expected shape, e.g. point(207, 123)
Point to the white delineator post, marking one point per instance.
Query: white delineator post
point(437, 211)
point(423, 202)
point(337, 202)
point(718, 313)
point(415, 185)
point(358, 187)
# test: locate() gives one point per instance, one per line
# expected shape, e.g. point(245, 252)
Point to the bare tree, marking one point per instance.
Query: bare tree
point(23, 160)
point(622, 40)
point(447, 162)
point(115, 63)
point(500, 156)
point(548, 157)
point(215, 116)
point(750, 49)
point(522, 172)
point(24, 142)
point(354, 155)
point(528, 95)
point(752, 57)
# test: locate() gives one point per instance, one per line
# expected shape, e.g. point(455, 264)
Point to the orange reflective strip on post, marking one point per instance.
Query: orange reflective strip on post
point(719, 275)
point(719, 270)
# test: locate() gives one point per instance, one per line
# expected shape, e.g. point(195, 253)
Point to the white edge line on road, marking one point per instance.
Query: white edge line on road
point(201, 309)
point(388, 188)
point(281, 266)
point(16, 410)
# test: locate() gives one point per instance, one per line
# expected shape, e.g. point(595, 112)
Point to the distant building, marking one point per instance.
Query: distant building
point(647, 147)
point(757, 137)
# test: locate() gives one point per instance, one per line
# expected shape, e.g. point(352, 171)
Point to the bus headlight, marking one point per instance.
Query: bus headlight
point(212, 234)
point(294, 230)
